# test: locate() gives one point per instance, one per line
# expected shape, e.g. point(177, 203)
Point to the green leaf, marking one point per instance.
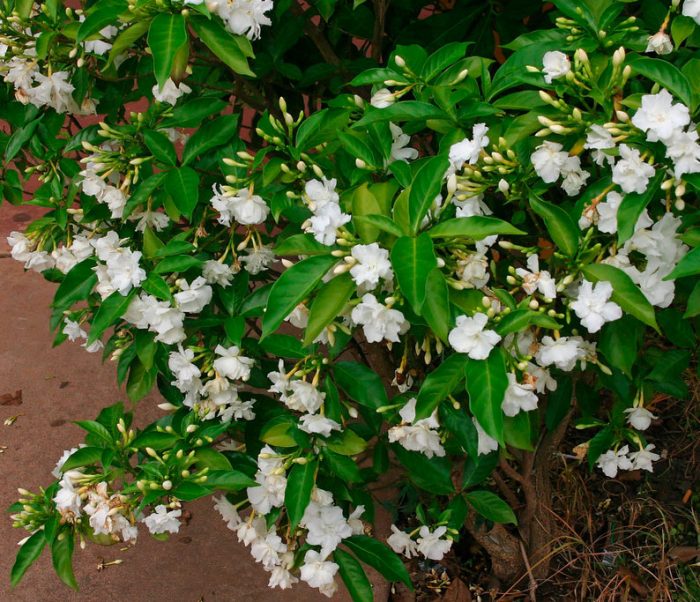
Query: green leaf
point(346, 443)
point(426, 185)
point(344, 467)
point(353, 576)
point(490, 506)
point(178, 263)
point(478, 468)
point(206, 457)
point(126, 39)
point(223, 44)
point(229, 480)
point(632, 206)
point(301, 244)
point(619, 343)
point(365, 203)
point(413, 259)
point(625, 292)
point(380, 557)
point(20, 137)
point(102, 14)
point(429, 474)
point(520, 319)
point(280, 432)
point(155, 439)
point(321, 127)
point(142, 192)
point(380, 222)
point(212, 134)
point(663, 73)
point(440, 383)
point(98, 430)
point(360, 383)
point(407, 110)
point(166, 35)
point(443, 58)
point(76, 285)
point(693, 307)
point(183, 186)
point(292, 287)
point(300, 482)
point(681, 28)
point(689, 265)
point(27, 554)
point(160, 146)
point(62, 557)
point(111, 309)
point(561, 227)
point(475, 228)
point(487, 382)
point(140, 381)
point(436, 307)
point(188, 491)
point(85, 456)
point(155, 285)
point(327, 305)
point(283, 345)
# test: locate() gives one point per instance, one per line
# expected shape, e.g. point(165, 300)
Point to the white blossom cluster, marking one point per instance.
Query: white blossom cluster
point(242, 17)
point(432, 545)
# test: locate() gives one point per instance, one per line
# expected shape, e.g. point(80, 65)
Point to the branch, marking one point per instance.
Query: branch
point(380, 8)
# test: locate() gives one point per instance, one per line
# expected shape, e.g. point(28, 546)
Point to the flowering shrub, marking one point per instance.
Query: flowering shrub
point(411, 267)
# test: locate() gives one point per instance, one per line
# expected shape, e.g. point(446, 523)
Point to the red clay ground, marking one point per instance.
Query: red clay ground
point(201, 563)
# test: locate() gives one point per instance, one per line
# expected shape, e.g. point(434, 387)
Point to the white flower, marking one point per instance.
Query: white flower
point(242, 17)
point(659, 117)
point(422, 436)
point(318, 424)
point(471, 206)
point(630, 172)
point(382, 98)
point(193, 298)
point(184, 371)
point(304, 397)
point(67, 499)
point(355, 520)
point(642, 459)
point(20, 246)
point(401, 543)
point(556, 64)
point(592, 305)
point(518, 397)
point(536, 280)
point(691, 8)
point(603, 215)
point(400, 145)
point(215, 272)
point(325, 222)
point(486, 443)
point(171, 92)
point(317, 571)
point(269, 494)
point(53, 90)
point(469, 336)
point(73, 331)
point(267, 550)
point(563, 353)
point(282, 578)
point(321, 192)
point(574, 177)
point(231, 363)
point(372, 265)
point(228, 512)
point(258, 259)
point(148, 219)
point(326, 526)
point(378, 322)
point(549, 160)
point(683, 149)
point(660, 43)
point(468, 150)
point(163, 521)
point(430, 543)
point(612, 461)
point(473, 270)
point(598, 139)
point(639, 418)
point(57, 472)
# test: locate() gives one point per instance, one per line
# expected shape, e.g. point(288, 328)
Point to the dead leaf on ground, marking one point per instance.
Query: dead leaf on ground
point(684, 553)
point(634, 581)
point(11, 399)
point(457, 592)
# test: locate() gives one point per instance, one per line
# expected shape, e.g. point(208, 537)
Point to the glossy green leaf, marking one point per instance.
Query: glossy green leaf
point(166, 35)
point(625, 292)
point(111, 309)
point(406, 110)
point(101, 14)
point(425, 187)
point(160, 146)
point(182, 185)
point(490, 506)
point(487, 382)
point(632, 206)
point(223, 44)
point(380, 557)
point(300, 482)
point(213, 133)
point(380, 222)
point(353, 576)
point(292, 287)
point(474, 228)
point(440, 383)
point(436, 307)
point(619, 343)
point(301, 244)
point(413, 258)
point(142, 192)
point(327, 305)
point(689, 265)
point(76, 285)
point(360, 383)
point(430, 474)
point(126, 39)
point(560, 225)
point(665, 74)
point(27, 554)
point(62, 556)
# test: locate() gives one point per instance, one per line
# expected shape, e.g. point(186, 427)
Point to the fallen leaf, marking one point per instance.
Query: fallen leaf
point(684, 553)
point(11, 399)
point(457, 592)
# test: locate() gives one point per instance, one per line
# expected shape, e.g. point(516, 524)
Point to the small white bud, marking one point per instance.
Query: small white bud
point(167, 485)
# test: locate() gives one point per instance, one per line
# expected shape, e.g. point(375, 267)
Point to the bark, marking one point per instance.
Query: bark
point(503, 548)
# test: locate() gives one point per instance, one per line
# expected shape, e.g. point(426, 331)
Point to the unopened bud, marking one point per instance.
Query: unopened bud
point(400, 62)
point(360, 164)
point(191, 428)
point(503, 186)
point(167, 485)
point(680, 190)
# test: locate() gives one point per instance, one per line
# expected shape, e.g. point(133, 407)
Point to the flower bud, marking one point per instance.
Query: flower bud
point(360, 164)
point(400, 62)
point(167, 485)
point(503, 186)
